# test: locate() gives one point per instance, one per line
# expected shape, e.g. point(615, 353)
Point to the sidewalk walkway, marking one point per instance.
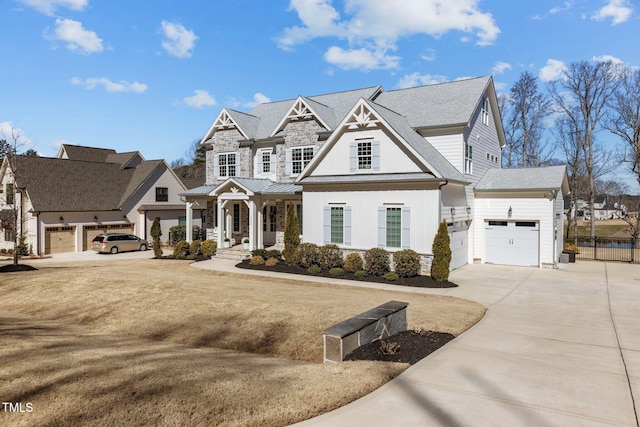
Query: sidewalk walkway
point(556, 348)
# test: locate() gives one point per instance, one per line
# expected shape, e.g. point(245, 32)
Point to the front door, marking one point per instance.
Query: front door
point(269, 215)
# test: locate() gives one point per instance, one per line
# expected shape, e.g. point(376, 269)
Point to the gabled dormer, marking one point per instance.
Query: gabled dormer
point(228, 119)
point(306, 109)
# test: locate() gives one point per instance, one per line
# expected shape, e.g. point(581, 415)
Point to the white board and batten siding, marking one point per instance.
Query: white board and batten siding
point(363, 214)
point(450, 146)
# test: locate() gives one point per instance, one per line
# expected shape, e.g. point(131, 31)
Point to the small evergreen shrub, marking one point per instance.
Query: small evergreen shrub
point(3, 251)
point(291, 236)
point(23, 249)
point(194, 248)
point(441, 249)
point(330, 256)
point(273, 253)
point(156, 232)
point(271, 261)
point(209, 247)
point(179, 232)
point(314, 269)
point(390, 276)
point(353, 262)
point(259, 252)
point(307, 254)
point(181, 249)
point(407, 263)
point(359, 274)
point(376, 261)
point(337, 271)
point(256, 260)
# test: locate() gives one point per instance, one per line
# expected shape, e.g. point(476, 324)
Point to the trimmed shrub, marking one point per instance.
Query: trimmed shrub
point(271, 261)
point(179, 232)
point(359, 274)
point(376, 261)
point(337, 271)
point(256, 260)
point(259, 252)
point(406, 263)
point(209, 247)
point(273, 253)
point(314, 269)
point(330, 256)
point(291, 236)
point(194, 248)
point(181, 249)
point(3, 251)
point(23, 249)
point(307, 254)
point(390, 276)
point(441, 249)
point(353, 262)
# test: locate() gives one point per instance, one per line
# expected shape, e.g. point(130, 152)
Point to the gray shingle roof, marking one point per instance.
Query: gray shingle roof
point(440, 104)
point(203, 190)
point(372, 178)
point(88, 154)
point(524, 179)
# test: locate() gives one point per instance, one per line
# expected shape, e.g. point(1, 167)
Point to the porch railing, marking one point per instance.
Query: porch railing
point(626, 249)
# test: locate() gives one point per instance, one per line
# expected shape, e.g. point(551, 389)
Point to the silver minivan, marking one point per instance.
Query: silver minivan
point(118, 242)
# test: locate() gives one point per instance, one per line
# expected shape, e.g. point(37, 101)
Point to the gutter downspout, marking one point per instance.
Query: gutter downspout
point(446, 181)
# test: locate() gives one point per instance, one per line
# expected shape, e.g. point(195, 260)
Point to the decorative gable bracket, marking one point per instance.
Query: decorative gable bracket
point(362, 117)
point(224, 121)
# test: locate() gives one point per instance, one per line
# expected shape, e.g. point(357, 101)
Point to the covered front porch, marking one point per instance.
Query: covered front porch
point(240, 209)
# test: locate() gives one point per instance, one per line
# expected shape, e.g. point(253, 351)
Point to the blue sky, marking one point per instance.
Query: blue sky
point(153, 75)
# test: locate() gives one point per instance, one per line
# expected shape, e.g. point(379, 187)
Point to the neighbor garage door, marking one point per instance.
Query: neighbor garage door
point(459, 248)
point(512, 242)
point(59, 239)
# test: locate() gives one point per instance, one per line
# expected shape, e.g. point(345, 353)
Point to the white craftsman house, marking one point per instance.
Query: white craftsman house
point(368, 168)
point(62, 203)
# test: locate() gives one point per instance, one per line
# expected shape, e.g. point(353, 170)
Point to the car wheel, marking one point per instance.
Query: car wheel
point(143, 247)
point(114, 250)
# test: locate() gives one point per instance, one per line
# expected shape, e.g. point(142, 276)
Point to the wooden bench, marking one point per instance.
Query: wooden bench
point(380, 322)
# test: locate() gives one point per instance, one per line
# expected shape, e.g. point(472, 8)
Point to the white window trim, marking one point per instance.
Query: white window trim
point(289, 159)
point(259, 165)
point(235, 164)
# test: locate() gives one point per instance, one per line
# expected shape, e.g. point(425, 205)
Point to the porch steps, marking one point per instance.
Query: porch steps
point(233, 254)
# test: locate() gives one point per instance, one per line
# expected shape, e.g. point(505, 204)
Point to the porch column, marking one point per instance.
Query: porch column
point(252, 223)
point(260, 225)
point(189, 224)
point(221, 222)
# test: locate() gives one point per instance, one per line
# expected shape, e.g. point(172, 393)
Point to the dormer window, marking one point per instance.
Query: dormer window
point(484, 114)
point(364, 155)
point(468, 158)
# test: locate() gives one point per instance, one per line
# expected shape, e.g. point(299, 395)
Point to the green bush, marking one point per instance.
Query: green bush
point(330, 256)
point(353, 262)
point(376, 261)
point(3, 251)
point(260, 252)
point(441, 249)
point(307, 254)
point(181, 249)
point(390, 276)
point(23, 249)
point(194, 248)
point(336, 271)
point(256, 260)
point(291, 236)
point(179, 232)
point(314, 269)
point(209, 247)
point(273, 253)
point(359, 274)
point(271, 261)
point(407, 263)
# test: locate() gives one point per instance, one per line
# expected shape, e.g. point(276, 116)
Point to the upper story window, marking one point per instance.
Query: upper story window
point(364, 155)
point(226, 164)
point(300, 158)
point(10, 193)
point(162, 194)
point(265, 162)
point(484, 114)
point(468, 158)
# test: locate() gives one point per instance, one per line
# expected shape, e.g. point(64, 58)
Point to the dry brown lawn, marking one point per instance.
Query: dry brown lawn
point(147, 342)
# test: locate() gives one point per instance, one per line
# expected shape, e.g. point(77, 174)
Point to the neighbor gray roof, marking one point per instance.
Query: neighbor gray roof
point(255, 185)
point(452, 103)
point(203, 190)
point(58, 185)
point(524, 179)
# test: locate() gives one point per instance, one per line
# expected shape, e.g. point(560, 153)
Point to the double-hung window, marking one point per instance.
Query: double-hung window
point(394, 227)
point(162, 194)
point(226, 164)
point(468, 158)
point(484, 114)
point(364, 155)
point(266, 161)
point(300, 158)
point(337, 225)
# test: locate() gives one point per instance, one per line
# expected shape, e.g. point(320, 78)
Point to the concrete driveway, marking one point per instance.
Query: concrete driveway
point(556, 348)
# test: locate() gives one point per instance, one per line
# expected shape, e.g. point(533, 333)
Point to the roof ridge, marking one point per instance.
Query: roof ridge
point(438, 83)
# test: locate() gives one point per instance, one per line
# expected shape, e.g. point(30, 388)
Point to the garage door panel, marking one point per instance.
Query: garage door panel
point(60, 240)
point(512, 243)
point(459, 242)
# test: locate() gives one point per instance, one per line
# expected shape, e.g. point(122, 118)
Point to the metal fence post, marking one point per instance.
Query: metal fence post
point(595, 248)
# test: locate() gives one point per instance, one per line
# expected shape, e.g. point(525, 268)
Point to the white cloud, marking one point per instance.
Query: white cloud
point(258, 98)
point(201, 98)
point(417, 79)
point(178, 40)
point(376, 25)
point(429, 55)
point(361, 59)
point(567, 5)
point(605, 58)
point(15, 135)
point(110, 86)
point(48, 7)
point(618, 10)
point(76, 37)
point(554, 70)
point(500, 67)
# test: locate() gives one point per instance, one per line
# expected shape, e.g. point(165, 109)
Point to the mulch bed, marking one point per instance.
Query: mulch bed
point(417, 281)
point(405, 347)
point(10, 268)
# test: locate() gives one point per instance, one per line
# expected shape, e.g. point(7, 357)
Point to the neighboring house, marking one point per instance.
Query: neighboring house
point(64, 202)
point(368, 168)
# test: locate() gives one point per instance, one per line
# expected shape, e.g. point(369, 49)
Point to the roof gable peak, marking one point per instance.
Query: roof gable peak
point(300, 110)
point(361, 117)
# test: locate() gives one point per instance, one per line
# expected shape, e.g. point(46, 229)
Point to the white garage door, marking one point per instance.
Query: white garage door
point(512, 242)
point(459, 248)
